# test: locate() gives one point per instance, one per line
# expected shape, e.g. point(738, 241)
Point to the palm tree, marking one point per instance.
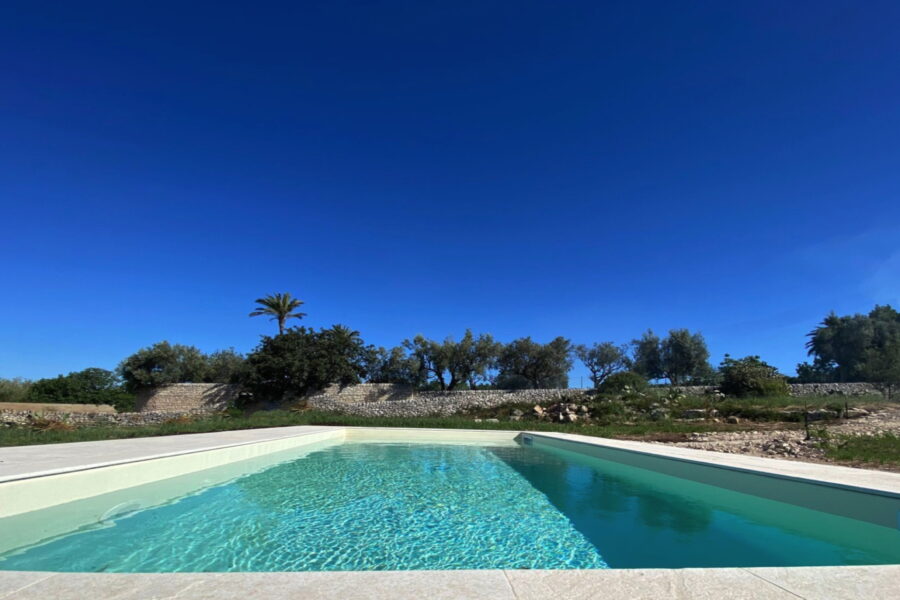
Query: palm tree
point(280, 307)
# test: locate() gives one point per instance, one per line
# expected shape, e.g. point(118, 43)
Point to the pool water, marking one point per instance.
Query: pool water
point(387, 506)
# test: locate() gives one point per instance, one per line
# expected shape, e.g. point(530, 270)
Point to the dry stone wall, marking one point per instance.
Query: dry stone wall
point(425, 404)
point(369, 400)
point(187, 397)
point(834, 389)
point(368, 392)
point(27, 418)
point(803, 389)
point(384, 400)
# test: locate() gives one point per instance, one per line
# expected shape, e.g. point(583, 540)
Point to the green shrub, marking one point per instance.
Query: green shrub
point(619, 383)
point(608, 410)
point(303, 360)
point(90, 386)
point(14, 390)
point(750, 376)
point(164, 363)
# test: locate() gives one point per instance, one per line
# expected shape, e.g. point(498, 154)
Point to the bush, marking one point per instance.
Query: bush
point(90, 386)
point(225, 366)
point(164, 363)
point(302, 360)
point(750, 376)
point(617, 383)
point(14, 390)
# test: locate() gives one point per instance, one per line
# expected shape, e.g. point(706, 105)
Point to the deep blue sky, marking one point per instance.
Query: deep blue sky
point(581, 169)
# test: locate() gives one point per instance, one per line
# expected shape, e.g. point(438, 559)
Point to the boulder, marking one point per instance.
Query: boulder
point(693, 413)
point(818, 415)
point(855, 413)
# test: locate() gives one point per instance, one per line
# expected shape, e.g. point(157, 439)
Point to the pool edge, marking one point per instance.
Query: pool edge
point(757, 582)
point(615, 584)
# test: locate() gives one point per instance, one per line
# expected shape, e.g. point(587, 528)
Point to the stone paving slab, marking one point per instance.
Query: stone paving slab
point(811, 583)
point(47, 459)
point(370, 585)
point(836, 583)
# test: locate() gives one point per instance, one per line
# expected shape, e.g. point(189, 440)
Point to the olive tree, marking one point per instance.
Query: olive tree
point(603, 359)
point(524, 363)
point(685, 356)
point(452, 363)
point(648, 356)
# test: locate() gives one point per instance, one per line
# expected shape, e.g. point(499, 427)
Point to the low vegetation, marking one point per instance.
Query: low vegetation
point(879, 449)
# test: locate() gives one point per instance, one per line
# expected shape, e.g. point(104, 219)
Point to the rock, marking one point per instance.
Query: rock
point(478, 420)
point(659, 414)
point(693, 413)
point(732, 420)
point(818, 415)
point(855, 413)
point(515, 418)
point(492, 420)
point(582, 410)
point(517, 413)
point(538, 410)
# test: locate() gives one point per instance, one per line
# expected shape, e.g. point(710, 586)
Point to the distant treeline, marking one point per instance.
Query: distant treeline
point(298, 360)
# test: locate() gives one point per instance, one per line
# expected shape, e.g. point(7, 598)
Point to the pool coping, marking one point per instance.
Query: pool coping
point(767, 582)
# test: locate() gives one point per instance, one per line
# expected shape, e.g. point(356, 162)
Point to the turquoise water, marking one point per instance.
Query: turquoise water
point(370, 506)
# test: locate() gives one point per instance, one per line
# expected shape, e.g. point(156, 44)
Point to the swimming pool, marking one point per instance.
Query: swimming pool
point(351, 503)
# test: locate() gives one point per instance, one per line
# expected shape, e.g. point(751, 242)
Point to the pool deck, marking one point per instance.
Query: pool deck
point(26, 462)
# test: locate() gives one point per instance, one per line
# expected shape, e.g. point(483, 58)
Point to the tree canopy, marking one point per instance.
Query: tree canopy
point(845, 348)
point(524, 363)
point(90, 386)
point(303, 360)
point(280, 307)
point(647, 359)
point(164, 363)
point(682, 357)
point(452, 364)
point(685, 357)
point(603, 359)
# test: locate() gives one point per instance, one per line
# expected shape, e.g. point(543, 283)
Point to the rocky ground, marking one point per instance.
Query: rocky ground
point(791, 444)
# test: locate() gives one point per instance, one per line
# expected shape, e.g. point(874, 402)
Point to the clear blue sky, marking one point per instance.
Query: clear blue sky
point(586, 169)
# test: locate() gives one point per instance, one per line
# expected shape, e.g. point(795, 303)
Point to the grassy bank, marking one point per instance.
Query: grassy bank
point(880, 449)
point(22, 436)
